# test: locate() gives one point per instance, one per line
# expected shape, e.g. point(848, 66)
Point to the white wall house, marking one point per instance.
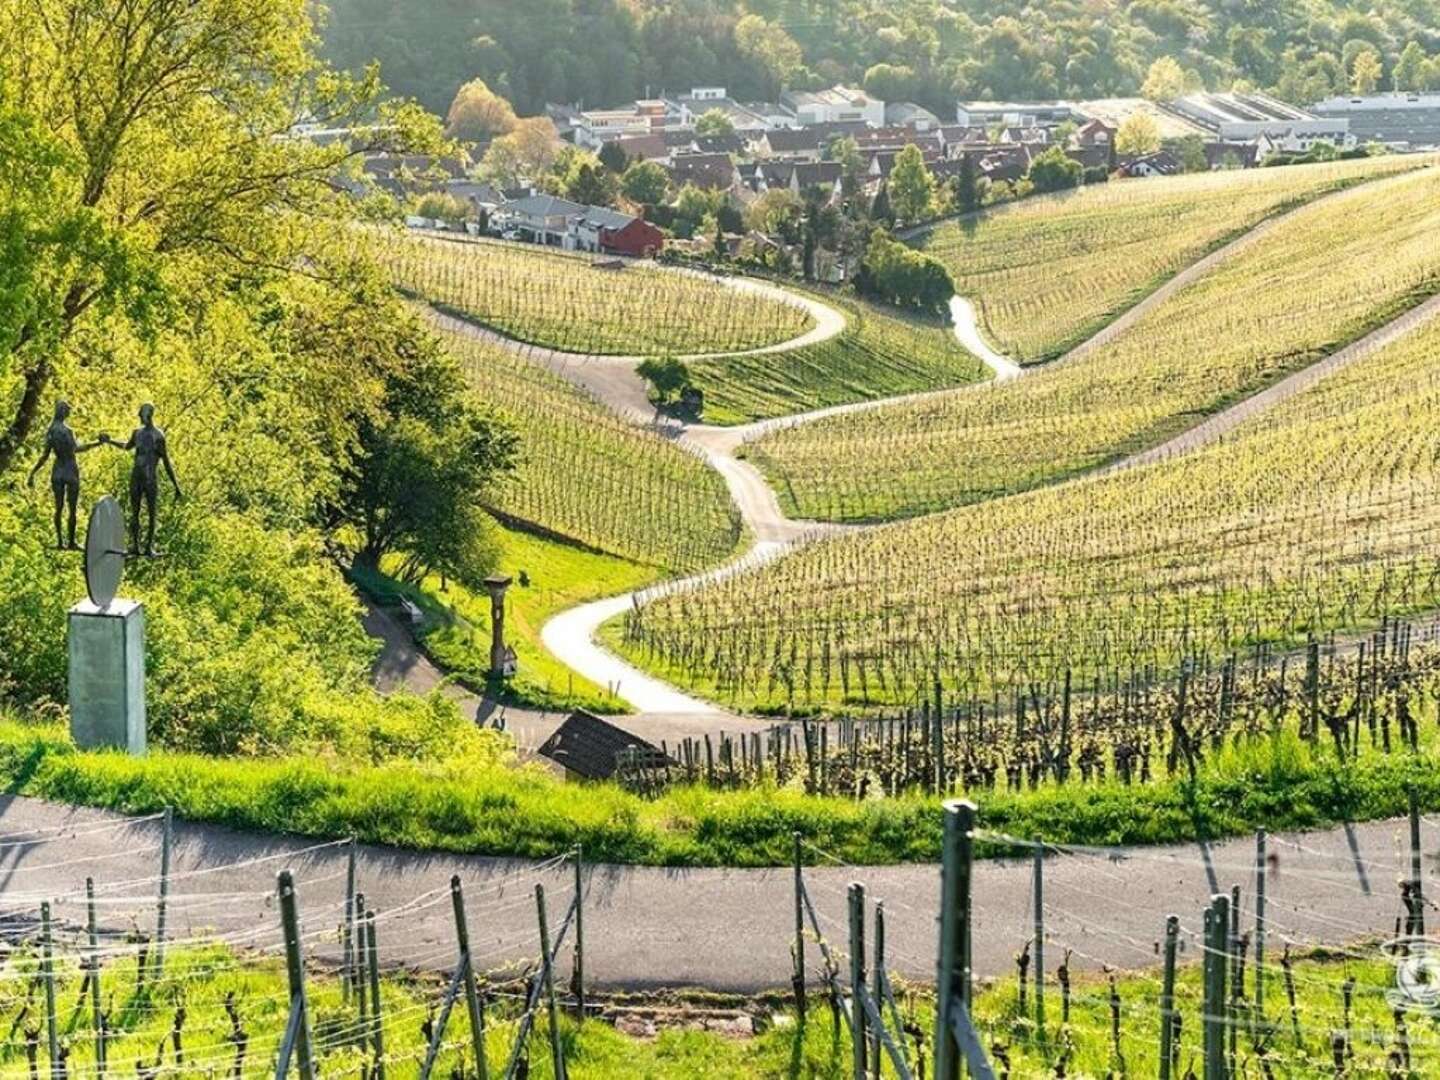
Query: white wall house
point(836, 105)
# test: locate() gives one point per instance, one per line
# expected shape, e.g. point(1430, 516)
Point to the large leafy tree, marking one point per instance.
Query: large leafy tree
point(167, 161)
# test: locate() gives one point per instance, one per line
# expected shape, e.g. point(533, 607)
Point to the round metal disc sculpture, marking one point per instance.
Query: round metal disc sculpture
point(104, 552)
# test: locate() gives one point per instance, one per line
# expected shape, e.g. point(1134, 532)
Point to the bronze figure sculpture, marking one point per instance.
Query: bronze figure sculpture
point(61, 444)
point(151, 451)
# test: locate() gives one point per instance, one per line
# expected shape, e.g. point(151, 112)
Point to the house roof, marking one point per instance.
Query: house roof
point(602, 217)
point(714, 171)
point(587, 745)
point(790, 140)
point(644, 147)
point(544, 206)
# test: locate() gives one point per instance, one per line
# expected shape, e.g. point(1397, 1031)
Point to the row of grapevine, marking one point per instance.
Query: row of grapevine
point(587, 475)
point(1322, 515)
point(1047, 272)
point(576, 304)
point(1330, 273)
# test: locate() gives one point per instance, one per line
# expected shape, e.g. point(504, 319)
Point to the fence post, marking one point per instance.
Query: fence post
point(1217, 929)
point(799, 946)
point(1167, 997)
point(578, 973)
point(376, 1016)
point(362, 960)
point(877, 987)
point(472, 999)
point(347, 960)
point(165, 838)
point(556, 1053)
point(857, 979)
point(1417, 891)
point(937, 735)
point(1236, 989)
point(1039, 950)
point(1260, 859)
point(97, 1017)
point(47, 972)
point(295, 972)
point(952, 984)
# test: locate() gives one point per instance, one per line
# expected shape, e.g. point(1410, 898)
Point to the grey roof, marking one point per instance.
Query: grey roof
point(543, 206)
point(605, 218)
point(587, 745)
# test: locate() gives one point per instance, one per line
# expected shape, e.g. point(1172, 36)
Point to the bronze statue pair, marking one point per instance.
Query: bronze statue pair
point(150, 449)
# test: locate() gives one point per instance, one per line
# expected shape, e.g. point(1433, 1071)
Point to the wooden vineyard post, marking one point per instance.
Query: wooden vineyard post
point(1039, 950)
point(578, 965)
point(377, 1018)
point(937, 735)
point(1260, 858)
point(798, 948)
point(464, 978)
point(952, 983)
point(857, 979)
point(347, 934)
point(97, 1016)
point(1417, 890)
point(297, 1033)
point(47, 973)
point(1217, 929)
point(877, 985)
point(1167, 997)
point(165, 838)
point(362, 958)
point(557, 1054)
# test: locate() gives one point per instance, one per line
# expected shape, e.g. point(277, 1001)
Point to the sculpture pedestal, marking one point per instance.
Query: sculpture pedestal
point(107, 676)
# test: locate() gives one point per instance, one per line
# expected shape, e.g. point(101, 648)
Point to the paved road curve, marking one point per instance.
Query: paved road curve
point(724, 930)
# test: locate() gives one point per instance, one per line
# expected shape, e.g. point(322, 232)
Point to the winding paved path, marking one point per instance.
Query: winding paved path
point(723, 930)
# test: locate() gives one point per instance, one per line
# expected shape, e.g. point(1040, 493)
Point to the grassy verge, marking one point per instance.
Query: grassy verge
point(550, 576)
point(492, 806)
point(882, 353)
point(200, 978)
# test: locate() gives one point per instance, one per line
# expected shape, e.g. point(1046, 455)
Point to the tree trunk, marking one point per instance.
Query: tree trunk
point(36, 380)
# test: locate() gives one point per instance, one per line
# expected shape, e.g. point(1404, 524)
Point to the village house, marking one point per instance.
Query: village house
point(795, 144)
point(709, 172)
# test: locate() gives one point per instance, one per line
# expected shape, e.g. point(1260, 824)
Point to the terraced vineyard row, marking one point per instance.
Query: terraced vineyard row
point(589, 476)
point(1326, 276)
point(578, 304)
point(1323, 514)
point(1047, 273)
point(881, 354)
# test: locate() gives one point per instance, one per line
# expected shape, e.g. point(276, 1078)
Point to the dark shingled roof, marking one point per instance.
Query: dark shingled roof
point(587, 745)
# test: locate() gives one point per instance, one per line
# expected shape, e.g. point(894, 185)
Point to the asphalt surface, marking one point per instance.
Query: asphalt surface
point(645, 928)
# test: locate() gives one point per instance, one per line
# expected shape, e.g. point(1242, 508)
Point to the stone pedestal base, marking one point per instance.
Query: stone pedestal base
point(107, 676)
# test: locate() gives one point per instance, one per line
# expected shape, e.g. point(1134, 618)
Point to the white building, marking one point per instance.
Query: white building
point(836, 105)
point(595, 127)
point(1242, 117)
point(988, 114)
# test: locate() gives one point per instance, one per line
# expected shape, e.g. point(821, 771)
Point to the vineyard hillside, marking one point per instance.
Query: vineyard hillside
point(1047, 272)
point(577, 303)
point(1319, 516)
point(1324, 276)
point(589, 476)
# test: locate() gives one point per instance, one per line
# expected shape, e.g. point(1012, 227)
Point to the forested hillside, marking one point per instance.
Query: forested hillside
point(602, 51)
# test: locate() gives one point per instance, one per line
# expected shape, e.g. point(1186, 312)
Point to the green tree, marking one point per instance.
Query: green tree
point(612, 155)
point(667, 377)
point(590, 184)
point(420, 469)
point(168, 129)
point(1412, 69)
point(901, 276)
point(478, 113)
point(1366, 72)
point(714, 122)
point(1054, 170)
point(1137, 136)
point(1190, 149)
point(968, 196)
point(1164, 81)
point(912, 187)
point(778, 54)
point(645, 182)
point(846, 151)
point(527, 153)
